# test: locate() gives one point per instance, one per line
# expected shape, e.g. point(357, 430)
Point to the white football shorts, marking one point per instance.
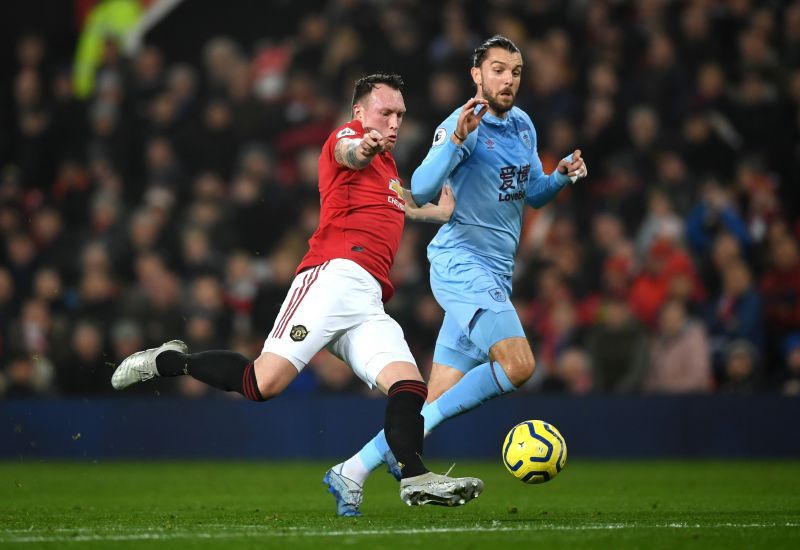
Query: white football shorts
point(338, 305)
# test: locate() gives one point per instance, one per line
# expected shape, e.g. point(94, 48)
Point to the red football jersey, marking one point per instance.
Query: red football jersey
point(362, 211)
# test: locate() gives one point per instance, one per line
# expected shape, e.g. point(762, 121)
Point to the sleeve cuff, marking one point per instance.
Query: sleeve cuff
point(561, 179)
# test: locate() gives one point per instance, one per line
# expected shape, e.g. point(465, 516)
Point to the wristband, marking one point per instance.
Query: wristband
point(459, 137)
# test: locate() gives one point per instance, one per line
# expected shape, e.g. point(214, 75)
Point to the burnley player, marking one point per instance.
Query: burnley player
point(487, 150)
point(336, 301)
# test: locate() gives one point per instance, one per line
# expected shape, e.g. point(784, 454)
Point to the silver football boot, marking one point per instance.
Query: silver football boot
point(439, 489)
point(141, 365)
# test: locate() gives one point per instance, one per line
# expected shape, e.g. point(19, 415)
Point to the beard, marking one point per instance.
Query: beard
point(496, 103)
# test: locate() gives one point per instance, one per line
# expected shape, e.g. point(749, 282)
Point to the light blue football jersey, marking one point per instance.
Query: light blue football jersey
point(494, 173)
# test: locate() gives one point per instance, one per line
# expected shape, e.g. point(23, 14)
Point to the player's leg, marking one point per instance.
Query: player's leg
point(442, 378)
point(478, 302)
point(378, 353)
point(403, 423)
point(257, 380)
point(510, 363)
point(454, 356)
point(404, 431)
point(465, 385)
point(222, 369)
point(289, 347)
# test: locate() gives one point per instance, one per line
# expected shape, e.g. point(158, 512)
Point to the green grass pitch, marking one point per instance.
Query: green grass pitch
point(658, 504)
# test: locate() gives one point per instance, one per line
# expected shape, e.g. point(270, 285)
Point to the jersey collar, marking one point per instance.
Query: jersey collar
point(497, 121)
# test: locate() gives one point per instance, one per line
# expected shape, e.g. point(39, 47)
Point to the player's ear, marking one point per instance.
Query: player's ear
point(476, 75)
point(358, 112)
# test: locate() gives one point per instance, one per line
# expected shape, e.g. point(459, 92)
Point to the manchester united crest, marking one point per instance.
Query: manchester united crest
point(298, 333)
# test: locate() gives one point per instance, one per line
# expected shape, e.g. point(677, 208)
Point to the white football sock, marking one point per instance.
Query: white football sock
point(354, 469)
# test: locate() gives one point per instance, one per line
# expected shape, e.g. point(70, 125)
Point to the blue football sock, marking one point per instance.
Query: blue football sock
point(480, 384)
point(371, 454)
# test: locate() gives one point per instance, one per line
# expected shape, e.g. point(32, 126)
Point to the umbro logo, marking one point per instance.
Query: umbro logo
point(489, 143)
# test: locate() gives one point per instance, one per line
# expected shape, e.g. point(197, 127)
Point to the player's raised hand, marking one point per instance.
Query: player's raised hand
point(573, 166)
point(468, 119)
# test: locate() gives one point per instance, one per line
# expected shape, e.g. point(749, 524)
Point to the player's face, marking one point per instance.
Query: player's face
point(498, 79)
point(382, 110)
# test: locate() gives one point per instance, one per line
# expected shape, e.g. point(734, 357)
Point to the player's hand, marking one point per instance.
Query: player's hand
point(372, 143)
point(573, 166)
point(435, 213)
point(447, 203)
point(468, 120)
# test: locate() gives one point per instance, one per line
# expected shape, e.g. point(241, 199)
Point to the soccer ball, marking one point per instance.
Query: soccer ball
point(534, 451)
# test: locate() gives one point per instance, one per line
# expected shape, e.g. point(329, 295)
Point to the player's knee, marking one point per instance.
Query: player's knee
point(270, 386)
point(273, 373)
point(521, 369)
point(269, 389)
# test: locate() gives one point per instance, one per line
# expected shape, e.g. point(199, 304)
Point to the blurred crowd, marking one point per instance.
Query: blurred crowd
point(176, 200)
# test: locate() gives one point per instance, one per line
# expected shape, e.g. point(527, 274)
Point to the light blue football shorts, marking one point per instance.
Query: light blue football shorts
point(478, 310)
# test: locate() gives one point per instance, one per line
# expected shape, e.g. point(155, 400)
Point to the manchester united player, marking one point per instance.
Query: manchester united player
point(336, 301)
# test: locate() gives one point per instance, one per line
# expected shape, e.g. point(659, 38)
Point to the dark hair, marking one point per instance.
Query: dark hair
point(366, 84)
point(497, 41)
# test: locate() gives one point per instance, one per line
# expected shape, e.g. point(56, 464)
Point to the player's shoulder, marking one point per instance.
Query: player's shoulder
point(351, 129)
point(445, 128)
point(524, 126)
point(521, 117)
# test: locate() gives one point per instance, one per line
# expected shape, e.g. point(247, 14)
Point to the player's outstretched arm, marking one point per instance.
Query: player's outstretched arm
point(434, 213)
point(357, 153)
point(543, 188)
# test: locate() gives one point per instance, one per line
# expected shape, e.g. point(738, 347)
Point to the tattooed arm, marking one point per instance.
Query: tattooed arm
point(357, 153)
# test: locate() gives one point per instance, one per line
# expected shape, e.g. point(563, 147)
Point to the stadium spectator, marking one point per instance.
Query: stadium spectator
point(26, 376)
point(86, 368)
point(741, 375)
point(664, 263)
point(790, 383)
point(675, 182)
point(49, 288)
point(22, 260)
point(679, 354)
point(726, 250)
point(617, 345)
point(709, 144)
point(573, 373)
point(714, 213)
point(660, 224)
point(608, 241)
point(780, 289)
point(735, 315)
point(8, 310)
point(126, 338)
point(780, 286)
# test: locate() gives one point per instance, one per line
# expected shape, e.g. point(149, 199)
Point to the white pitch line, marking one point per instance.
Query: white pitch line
point(29, 536)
